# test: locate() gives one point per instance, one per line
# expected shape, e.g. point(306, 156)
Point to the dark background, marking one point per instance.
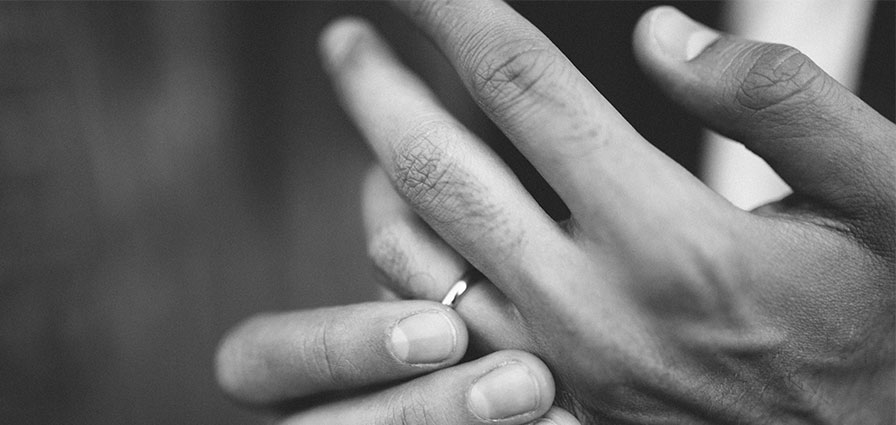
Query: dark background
point(167, 170)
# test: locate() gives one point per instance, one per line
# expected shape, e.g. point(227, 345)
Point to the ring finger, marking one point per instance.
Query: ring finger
point(415, 263)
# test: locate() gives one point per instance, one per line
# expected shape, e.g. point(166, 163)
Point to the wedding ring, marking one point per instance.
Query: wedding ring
point(457, 290)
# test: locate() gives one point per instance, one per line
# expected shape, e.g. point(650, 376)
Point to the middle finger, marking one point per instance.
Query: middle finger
point(601, 167)
point(461, 188)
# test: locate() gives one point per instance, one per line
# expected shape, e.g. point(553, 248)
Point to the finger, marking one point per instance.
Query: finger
point(416, 263)
point(508, 387)
point(582, 146)
point(386, 294)
point(557, 416)
point(821, 139)
point(465, 193)
point(393, 231)
point(272, 358)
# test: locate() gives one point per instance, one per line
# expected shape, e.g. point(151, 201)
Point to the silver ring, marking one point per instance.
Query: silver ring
point(453, 296)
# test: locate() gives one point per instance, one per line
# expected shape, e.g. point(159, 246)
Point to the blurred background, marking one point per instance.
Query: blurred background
point(167, 170)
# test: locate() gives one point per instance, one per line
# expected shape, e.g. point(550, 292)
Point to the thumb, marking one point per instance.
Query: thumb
point(821, 139)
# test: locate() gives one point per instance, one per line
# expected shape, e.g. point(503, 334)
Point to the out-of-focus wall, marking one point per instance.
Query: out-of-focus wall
point(165, 170)
point(169, 169)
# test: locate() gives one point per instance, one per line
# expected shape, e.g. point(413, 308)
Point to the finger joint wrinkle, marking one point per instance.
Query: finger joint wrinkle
point(779, 75)
point(515, 77)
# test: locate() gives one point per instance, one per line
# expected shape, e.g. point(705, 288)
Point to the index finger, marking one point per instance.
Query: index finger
point(279, 357)
point(582, 146)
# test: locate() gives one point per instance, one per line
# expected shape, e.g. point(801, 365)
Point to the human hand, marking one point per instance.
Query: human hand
point(390, 363)
point(657, 300)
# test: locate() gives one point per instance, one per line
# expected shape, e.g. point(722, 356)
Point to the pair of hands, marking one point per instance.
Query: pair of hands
point(657, 301)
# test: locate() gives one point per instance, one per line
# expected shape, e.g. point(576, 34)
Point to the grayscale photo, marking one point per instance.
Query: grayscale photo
point(448, 212)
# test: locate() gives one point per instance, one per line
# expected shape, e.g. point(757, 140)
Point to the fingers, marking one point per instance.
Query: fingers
point(823, 141)
point(508, 387)
point(597, 163)
point(416, 263)
point(465, 193)
point(278, 357)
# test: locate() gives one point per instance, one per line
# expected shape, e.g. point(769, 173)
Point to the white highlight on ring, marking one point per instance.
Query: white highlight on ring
point(453, 296)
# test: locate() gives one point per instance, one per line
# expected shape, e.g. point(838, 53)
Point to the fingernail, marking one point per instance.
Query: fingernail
point(680, 37)
point(427, 337)
point(545, 422)
point(507, 391)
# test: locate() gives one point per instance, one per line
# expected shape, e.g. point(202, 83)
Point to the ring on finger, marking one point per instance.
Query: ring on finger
point(460, 287)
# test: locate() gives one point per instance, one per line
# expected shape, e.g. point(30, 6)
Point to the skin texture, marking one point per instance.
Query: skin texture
point(657, 302)
point(338, 366)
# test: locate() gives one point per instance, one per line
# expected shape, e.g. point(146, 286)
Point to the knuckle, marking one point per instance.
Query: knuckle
point(715, 262)
point(515, 76)
point(701, 279)
point(423, 167)
point(432, 178)
point(778, 75)
point(707, 272)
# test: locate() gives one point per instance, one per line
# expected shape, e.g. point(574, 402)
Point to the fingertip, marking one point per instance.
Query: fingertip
point(545, 379)
point(235, 361)
point(462, 336)
point(339, 39)
point(542, 375)
point(224, 375)
point(642, 41)
point(666, 34)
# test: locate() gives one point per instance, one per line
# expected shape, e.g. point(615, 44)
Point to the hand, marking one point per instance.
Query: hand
point(657, 301)
point(390, 363)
